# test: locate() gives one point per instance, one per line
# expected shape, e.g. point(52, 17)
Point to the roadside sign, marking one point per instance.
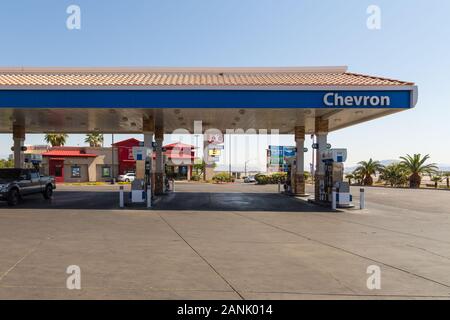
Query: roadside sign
point(305, 149)
point(278, 154)
point(214, 152)
point(214, 138)
point(328, 146)
point(315, 146)
point(216, 146)
point(289, 152)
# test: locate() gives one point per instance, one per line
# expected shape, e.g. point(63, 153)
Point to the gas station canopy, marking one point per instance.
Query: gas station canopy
point(116, 100)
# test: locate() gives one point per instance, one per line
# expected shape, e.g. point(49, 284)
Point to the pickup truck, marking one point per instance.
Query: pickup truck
point(16, 183)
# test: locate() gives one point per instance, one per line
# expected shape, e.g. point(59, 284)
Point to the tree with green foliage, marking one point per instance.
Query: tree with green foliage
point(447, 178)
point(358, 176)
point(306, 175)
point(395, 175)
point(436, 179)
point(6, 163)
point(94, 139)
point(367, 169)
point(199, 168)
point(350, 177)
point(56, 139)
point(416, 167)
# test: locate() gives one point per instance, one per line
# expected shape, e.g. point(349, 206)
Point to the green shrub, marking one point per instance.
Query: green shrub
point(196, 177)
point(306, 175)
point(277, 177)
point(273, 178)
point(222, 177)
point(261, 178)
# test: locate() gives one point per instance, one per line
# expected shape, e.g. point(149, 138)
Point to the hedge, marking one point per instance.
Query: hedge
point(272, 178)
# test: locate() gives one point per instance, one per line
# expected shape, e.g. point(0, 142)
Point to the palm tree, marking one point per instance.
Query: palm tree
point(357, 175)
point(94, 139)
point(367, 169)
point(56, 139)
point(350, 177)
point(447, 178)
point(199, 168)
point(416, 167)
point(436, 180)
point(394, 174)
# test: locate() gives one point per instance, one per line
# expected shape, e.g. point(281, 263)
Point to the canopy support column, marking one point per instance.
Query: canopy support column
point(159, 161)
point(149, 129)
point(19, 141)
point(299, 187)
point(321, 132)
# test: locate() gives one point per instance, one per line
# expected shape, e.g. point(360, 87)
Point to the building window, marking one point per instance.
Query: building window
point(106, 172)
point(76, 172)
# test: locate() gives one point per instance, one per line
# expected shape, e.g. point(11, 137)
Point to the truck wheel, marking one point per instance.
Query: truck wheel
point(13, 197)
point(48, 192)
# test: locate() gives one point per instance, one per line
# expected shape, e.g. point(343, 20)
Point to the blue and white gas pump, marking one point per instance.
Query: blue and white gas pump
point(334, 183)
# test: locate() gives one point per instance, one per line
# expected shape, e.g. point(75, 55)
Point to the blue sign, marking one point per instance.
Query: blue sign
point(279, 153)
point(384, 99)
point(289, 152)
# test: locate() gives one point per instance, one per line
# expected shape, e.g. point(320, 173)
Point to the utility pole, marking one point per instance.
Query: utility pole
point(196, 146)
point(245, 167)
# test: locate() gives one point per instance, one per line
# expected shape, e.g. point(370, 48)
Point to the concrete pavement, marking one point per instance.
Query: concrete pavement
point(239, 252)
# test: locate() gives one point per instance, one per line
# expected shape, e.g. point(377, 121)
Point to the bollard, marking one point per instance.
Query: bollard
point(362, 201)
point(279, 186)
point(149, 196)
point(121, 201)
point(173, 185)
point(333, 199)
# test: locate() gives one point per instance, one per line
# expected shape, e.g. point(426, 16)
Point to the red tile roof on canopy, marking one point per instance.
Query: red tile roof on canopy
point(188, 77)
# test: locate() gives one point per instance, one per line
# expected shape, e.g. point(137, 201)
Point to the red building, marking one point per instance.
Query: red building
point(125, 155)
point(179, 157)
point(77, 164)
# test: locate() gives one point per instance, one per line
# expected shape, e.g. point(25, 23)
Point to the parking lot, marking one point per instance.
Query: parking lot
point(225, 242)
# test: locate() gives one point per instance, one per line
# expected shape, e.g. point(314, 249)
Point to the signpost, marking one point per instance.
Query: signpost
point(214, 152)
point(278, 154)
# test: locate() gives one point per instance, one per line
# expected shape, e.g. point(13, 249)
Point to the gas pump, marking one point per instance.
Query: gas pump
point(334, 178)
point(142, 182)
point(290, 175)
point(147, 174)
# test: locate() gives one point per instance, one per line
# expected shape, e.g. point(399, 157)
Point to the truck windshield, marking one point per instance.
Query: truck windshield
point(9, 174)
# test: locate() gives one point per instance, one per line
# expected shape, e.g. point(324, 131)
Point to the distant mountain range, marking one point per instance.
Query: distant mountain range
point(441, 166)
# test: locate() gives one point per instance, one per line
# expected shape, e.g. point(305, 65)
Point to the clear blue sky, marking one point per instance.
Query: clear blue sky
point(413, 44)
